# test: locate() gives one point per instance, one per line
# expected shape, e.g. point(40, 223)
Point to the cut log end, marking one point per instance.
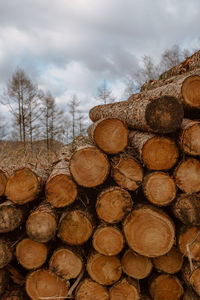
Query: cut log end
point(113, 204)
point(10, 216)
point(89, 167)
point(125, 289)
point(90, 290)
point(66, 264)
point(61, 191)
point(110, 135)
point(165, 287)
point(189, 242)
point(159, 188)
point(169, 263)
point(108, 240)
point(75, 228)
point(149, 231)
point(31, 254)
point(190, 139)
point(187, 175)
point(41, 226)
point(135, 265)
point(164, 114)
point(22, 186)
point(191, 91)
point(103, 269)
point(160, 153)
point(127, 172)
point(44, 283)
point(6, 254)
point(3, 181)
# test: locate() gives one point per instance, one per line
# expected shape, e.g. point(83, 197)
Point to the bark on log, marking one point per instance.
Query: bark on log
point(44, 284)
point(90, 290)
point(169, 263)
point(155, 114)
point(126, 171)
point(23, 186)
point(60, 188)
point(3, 280)
point(41, 224)
point(187, 175)
point(6, 254)
point(165, 287)
point(187, 209)
point(108, 240)
point(126, 289)
point(190, 137)
point(191, 276)
point(110, 135)
point(66, 263)
point(155, 152)
point(149, 231)
point(113, 204)
point(30, 254)
point(185, 88)
point(159, 188)
point(104, 269)
point(15, 294)
point(136, 265)
point(3, 182)
point(10, 216)
point(88, 165)
point(75, 227)
point(189, 242)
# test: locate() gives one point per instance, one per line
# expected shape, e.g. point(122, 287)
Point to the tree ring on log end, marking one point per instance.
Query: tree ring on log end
point(88, 289)
point(3, 181)
point(191, 91)
point(164, 114)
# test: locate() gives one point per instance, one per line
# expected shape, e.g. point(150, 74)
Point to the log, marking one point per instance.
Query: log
point(187, 175)
point(155, 152)
point(126, 288)
point(126, 171)
point(88, 165)
point(41, 224)
point(44, 284)
point(60, 188)
point(110, 135)
point(23, 186)
point(108, 240)
point(104, 269)
point(149, 231)
point(185, 88)
point(3, 182)
point(165, 287)
point(136, 265)
point(66, 263)
point(169, 263)
point(30, 254)
point(15, 294)
point(90, 290)
point(6, 253)
point(187, 209)
point(155, 114)
point(11, 216)
point(159, 188)
point(3, 280)
point(113, 204)
point(75, 227)
point(189, 294)
point(189, 242)
point(190, 137)
point(191, 276)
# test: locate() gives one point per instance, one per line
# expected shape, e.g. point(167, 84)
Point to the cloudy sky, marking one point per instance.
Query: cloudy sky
point(71, 46)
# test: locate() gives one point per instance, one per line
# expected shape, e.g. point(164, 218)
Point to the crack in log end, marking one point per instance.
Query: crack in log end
point(164, 114)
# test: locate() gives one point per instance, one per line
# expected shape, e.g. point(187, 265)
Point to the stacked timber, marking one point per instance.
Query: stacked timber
point(119, 215)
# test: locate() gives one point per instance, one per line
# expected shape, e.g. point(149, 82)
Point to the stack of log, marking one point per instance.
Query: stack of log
point(119, 215)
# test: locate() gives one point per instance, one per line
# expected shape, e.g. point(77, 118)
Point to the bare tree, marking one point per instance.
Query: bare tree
point(3, 127)
point(104, 94)
point(73, 110)
point(20, 95)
